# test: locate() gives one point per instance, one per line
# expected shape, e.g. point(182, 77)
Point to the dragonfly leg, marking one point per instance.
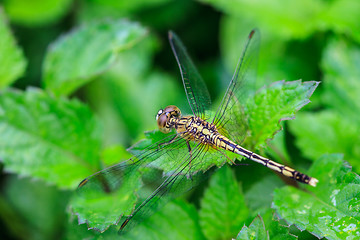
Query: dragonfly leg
point(169, 142)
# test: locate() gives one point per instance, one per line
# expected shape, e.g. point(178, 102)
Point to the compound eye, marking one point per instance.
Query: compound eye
point(159, 113)
point(173, 110)
point(161, 121)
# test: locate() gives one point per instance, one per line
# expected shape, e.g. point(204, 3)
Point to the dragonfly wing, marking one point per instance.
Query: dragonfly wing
point(112, 178)
point(195, 88)
point(105, 196)
point(171, 185)
point(107, 180)
point(139, 186)
point(230, 117)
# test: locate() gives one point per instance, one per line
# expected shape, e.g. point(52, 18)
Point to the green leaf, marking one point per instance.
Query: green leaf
point(129, 6)
point(292, 19)
point(74, 231)
point(12, 61)
point(336, 127)
point(264, 188)
point(43, 137)
point(27, 198)
point(99, 210)
point(334, 134)
point(341, 78)
point(112, 94)
point(86, 52)
point(104, 198)
point(279, 58)
point(256, 230)
point(286, 19)
point(177, 220)
point(331, 209)
point(122, 84)
point(114, 154)
point(223, 208)
point(36, 12)
point(341, 17)
point(266, 226)
point(276, 229)
point(272, 104)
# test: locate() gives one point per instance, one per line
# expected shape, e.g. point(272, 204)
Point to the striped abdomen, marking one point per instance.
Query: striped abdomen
point(224, 143)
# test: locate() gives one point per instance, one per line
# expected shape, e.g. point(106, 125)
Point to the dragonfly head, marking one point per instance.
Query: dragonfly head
point(164, 115)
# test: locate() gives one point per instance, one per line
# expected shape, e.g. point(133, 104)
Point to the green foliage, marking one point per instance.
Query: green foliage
point(12, 62)
point(341, 82)
point(185, 214)
point(273, 104)
point(223, 209)
point(68, 64)
point(119, 73)
point(256, 230)
point(332, 209)
point(343, 137)
point(37, 12)
point(186, 218)
point(56, 140)
point(298, 19)
point(28, 215)
point(338, 125)
point(266, 226)
point(99, 211)
point(129, 5)
point(264, 187)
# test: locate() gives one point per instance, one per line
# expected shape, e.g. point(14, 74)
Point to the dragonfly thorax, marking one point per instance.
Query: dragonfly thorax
point(165, 117)
point(198, 130)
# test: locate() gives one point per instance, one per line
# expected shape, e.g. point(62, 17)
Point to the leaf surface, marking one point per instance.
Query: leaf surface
point(223, 209)
point(331, 209)
point(266, 226)
point(335, 129)
point(36, 12)
point(52, 139)
point(272, 104)
point(294, 19)
point(12, 60)
point(86, 52)
point(177, 220)
point(255, 231)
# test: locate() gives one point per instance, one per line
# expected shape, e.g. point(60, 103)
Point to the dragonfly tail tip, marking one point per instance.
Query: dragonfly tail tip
point(313, 182)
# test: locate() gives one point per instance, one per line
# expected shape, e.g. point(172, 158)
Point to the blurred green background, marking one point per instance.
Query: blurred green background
point(308, 40)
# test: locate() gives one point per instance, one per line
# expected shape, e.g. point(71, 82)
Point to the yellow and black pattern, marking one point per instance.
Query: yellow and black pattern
point(196, 129)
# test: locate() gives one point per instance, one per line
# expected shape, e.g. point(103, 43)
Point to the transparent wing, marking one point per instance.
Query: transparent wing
point(118, 185)
point(166, 170)
point(195, 88)
point(172, 185)
point(111, 179)
point(230, 117)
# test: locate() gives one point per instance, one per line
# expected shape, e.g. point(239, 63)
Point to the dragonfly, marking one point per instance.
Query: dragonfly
point(177, 158)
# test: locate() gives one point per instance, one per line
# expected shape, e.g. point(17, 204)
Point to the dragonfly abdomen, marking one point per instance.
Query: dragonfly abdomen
point(225, 143)
point(197, 129)
point(284, 170)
